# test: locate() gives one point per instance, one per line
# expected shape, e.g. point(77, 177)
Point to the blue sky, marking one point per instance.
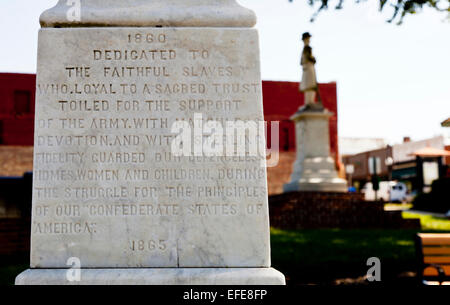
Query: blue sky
point(393, 81)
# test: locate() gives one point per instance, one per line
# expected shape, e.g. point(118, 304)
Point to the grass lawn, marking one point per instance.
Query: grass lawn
point(322, 256)
point(429, 222)
point(9, 272)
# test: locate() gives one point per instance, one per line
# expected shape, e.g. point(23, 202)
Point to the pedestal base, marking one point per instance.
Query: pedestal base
point(317, 175)
point(327, 186)
point(155, 276)
point(314, 170)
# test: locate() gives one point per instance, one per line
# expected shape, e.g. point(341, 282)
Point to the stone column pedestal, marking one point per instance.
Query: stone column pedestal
point(150, 215)
point(314, 169)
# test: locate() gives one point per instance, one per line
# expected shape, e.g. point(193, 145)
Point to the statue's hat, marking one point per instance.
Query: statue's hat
point(306, 35)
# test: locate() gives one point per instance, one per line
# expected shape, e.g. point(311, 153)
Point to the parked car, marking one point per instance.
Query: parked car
point(390, 191)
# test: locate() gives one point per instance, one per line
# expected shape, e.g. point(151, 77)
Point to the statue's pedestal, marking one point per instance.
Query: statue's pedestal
point(123, 203)
point(155, 276)
point(314, 169)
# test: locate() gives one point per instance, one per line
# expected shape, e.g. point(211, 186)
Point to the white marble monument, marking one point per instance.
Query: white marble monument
point(110, 198)
point(314, 169)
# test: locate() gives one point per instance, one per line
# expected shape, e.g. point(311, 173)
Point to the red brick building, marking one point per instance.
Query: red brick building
point(17, 95)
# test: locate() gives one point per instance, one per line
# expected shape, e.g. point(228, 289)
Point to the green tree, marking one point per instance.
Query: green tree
point(401, 8)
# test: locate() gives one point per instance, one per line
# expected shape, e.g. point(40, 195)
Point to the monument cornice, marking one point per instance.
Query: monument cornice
point(311, 114)
point(150, 13)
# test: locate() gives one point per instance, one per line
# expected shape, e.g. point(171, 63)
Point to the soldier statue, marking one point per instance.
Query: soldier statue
point(309, 84)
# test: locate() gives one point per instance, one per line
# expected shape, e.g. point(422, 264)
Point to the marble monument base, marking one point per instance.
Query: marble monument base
point(314, 169)
point(155, 276)
point(318, 175)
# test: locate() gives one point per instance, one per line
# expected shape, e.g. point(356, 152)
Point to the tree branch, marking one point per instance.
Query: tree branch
point(401, 8)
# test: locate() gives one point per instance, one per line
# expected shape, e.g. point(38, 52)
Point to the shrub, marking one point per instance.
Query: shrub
point(438, 200)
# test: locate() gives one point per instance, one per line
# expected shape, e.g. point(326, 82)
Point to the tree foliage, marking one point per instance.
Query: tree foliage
point(401, 8)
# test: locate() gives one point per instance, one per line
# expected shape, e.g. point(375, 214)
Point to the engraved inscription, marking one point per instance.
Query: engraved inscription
point(107, 186)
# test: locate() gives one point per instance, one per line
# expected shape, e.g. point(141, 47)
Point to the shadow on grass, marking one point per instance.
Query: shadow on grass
point(324, 255)
point(11, 267)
